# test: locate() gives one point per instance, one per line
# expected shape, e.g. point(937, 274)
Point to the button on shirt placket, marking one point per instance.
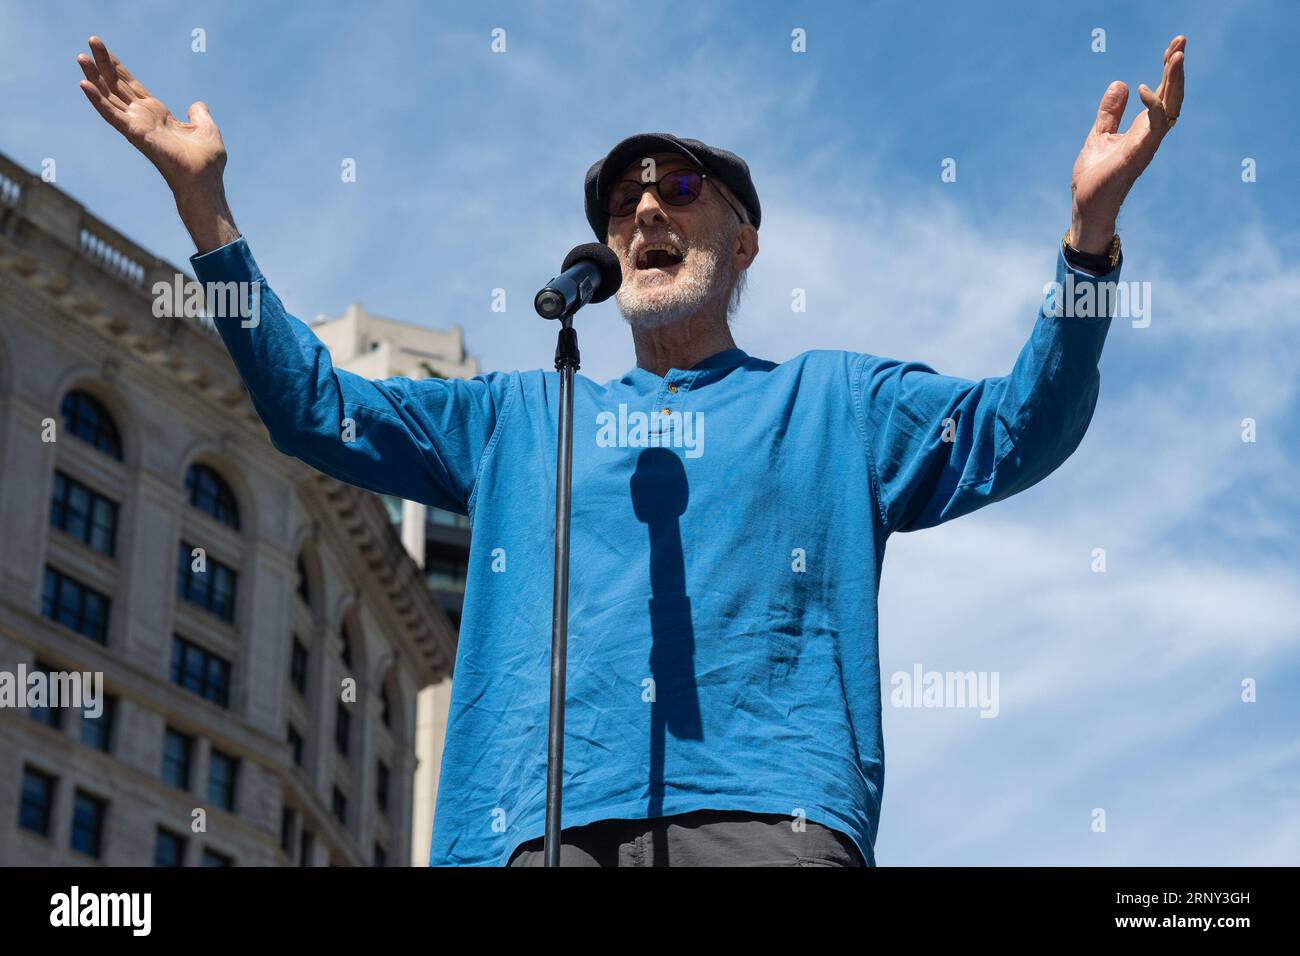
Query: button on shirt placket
point(669, 399)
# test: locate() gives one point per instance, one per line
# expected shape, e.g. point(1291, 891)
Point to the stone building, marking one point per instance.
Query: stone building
point(379, 347)
point(230, 596)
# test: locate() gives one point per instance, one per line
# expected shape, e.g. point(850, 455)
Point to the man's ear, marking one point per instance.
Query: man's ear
point(746, 244)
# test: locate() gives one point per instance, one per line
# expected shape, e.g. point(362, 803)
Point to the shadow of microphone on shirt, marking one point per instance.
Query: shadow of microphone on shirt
point(659, 498)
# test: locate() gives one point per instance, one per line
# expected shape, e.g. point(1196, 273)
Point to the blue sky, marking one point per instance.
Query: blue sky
point(1118, 690)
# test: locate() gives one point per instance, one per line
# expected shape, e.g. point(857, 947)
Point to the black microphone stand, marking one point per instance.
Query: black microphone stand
point(591, 274)
point(567, 361)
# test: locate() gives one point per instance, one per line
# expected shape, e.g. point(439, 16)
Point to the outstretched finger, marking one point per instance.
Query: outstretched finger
point(128, 79)
point(119, 82)
point(95, 79)
point(1143, 138)
point(1111, 109)
point(104, 63)
point(1173, 94)
point(118, 65)
point(1176, 45)
point(1151, 99)
point(1157, 118)
point(111, 114)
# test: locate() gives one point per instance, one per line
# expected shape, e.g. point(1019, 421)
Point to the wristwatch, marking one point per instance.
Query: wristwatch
point(1100, 263)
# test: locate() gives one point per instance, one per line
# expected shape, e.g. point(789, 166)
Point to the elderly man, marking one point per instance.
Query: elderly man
point(729, 517)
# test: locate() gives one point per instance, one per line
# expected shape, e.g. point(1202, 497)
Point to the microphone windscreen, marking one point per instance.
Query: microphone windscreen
point(605, 260)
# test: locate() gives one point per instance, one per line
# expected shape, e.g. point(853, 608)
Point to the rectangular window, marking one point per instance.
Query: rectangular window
point(342, 729)
point(298, 667)
point(84, 514)
point(168, 849)
point(200, 671)
point(88, 824)
point(305, 846)
point(37, 801)
point(97, 732)
point(339, 804)
point(75, 606)
point(212, 589)
point(222, 772)
point(381, 857)
point(286, 829)
point(381, 786)
point(213, 858)
point(49, 716)
point(178, 750)
point(295, 745)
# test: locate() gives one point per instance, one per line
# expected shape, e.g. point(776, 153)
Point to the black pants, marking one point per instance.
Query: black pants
point(702, 838)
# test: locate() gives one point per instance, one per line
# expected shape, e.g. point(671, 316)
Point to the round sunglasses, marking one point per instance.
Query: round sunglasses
point(680, 188)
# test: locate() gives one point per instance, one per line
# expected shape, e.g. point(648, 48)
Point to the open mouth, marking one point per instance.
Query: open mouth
point(659, 257)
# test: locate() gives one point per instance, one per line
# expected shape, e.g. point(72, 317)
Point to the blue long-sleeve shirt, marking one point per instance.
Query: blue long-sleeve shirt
point(728, 532)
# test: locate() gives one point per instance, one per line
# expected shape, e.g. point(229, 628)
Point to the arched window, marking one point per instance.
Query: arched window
point(86, 417)
point(209, 492)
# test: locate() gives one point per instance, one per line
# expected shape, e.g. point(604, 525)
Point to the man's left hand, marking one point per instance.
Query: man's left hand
point(1111, 161)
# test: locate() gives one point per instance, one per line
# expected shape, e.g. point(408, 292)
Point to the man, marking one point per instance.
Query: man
point(729, 514)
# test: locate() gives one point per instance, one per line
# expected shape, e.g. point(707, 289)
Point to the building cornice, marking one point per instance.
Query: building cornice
point(86, 270)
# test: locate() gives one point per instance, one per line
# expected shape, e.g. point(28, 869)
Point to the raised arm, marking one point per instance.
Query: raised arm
point(941, 447)
point(421, 440)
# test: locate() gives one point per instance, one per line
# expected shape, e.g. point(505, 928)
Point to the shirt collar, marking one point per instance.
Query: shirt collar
point(724, 360)
point(713, 368)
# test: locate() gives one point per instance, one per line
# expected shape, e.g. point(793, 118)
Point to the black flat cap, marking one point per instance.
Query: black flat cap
point(727, 166)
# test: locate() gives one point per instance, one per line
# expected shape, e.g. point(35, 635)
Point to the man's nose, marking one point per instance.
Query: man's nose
point(648, 211)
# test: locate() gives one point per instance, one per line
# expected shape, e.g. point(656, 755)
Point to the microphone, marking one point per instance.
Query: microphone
point(590, 273)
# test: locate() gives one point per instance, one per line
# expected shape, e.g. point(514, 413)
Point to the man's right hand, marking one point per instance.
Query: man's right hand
point(190, 156)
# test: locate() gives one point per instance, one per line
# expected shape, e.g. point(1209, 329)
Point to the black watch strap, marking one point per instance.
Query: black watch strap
point(1098, 262)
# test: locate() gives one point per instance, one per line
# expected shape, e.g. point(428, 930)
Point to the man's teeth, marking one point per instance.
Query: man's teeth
point(667, 247)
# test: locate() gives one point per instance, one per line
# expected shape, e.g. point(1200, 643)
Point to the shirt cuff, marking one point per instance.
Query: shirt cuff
point(1063, 266)
point(232, 262)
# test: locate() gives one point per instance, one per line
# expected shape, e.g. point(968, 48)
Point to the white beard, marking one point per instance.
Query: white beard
point(705, 277)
